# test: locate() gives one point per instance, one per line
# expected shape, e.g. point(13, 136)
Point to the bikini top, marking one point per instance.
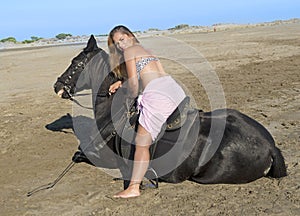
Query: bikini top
point(142, 63)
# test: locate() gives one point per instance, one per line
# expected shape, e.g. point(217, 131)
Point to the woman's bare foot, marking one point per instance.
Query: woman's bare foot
point(130, 192)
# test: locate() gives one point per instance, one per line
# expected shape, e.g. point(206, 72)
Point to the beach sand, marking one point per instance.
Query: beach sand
point(258, 68)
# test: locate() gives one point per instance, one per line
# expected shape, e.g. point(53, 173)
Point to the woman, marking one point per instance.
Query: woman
point(160, 96)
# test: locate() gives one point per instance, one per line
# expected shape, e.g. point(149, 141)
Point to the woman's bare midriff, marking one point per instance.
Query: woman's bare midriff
point(151, 72)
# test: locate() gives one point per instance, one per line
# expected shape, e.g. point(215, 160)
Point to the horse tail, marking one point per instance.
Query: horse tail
point(278, 168)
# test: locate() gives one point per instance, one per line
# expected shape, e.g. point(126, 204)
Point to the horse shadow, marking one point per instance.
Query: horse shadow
point(81, 126)
point(84, 135)
point(87, 134)
point(61, 124)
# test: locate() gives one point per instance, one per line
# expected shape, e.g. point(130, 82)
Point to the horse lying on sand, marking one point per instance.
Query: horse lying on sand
point(222, 146)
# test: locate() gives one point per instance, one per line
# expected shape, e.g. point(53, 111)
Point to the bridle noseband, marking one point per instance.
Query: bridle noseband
point(68, 86)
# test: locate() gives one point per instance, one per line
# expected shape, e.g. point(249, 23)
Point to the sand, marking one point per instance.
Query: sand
point(258, 68)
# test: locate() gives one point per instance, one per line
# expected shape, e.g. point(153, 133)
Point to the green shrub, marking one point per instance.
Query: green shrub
point(27, 41)
point(101, 35)
point(181, 26)
point(9, 39)
point(62, 36)
point(153, 29)
point(33, 39)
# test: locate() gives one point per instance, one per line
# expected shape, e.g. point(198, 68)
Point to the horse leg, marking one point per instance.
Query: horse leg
point(124, 157)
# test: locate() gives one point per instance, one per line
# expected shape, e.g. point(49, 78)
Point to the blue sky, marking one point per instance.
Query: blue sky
point(23, 19)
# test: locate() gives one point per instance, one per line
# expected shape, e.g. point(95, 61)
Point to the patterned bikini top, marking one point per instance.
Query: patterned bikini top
point(142, 63)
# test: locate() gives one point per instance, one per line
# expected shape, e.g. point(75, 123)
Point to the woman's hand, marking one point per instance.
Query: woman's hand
point(114, 87)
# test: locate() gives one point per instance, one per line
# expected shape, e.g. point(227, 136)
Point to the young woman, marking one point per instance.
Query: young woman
point(160, 96)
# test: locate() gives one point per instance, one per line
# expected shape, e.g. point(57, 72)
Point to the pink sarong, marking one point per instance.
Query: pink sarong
point(159, 99)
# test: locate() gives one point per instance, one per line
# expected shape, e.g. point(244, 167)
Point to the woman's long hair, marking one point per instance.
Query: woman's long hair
point(117, 61)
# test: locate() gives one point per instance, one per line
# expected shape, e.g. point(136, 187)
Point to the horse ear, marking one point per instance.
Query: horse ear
point(91, 44)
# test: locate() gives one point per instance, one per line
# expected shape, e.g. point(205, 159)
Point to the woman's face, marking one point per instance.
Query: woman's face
point(122, 41)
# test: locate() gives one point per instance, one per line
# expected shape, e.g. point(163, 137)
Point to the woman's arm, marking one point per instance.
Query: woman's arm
point(133, 82)
point(114, 87)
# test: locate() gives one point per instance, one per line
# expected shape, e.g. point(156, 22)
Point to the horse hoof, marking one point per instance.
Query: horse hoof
point(80, 157)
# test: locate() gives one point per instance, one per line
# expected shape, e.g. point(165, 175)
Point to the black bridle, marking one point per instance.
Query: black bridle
point(66, 81)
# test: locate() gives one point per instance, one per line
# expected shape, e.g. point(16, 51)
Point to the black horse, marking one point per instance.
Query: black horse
point(222, 146)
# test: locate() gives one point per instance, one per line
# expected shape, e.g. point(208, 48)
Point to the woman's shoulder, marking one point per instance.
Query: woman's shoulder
point(135, 48)
point(134, 51)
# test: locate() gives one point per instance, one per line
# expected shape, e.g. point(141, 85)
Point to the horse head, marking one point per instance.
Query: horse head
point(67, 81)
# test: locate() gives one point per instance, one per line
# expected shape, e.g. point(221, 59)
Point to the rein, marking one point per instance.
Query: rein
point(67, 87)
point(71, 98)
point(68, 168)
point(76, 101)
point(102, 94)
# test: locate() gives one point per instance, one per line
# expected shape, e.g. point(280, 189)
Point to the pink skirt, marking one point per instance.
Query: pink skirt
point(159, 99)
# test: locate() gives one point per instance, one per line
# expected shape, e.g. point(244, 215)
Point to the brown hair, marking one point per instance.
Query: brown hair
point(117, 62)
